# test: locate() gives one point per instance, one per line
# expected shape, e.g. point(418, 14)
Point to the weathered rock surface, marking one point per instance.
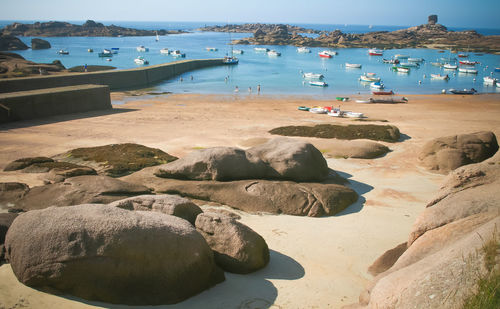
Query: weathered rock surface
point(447, 153)
point(11, 191)
point(39, 44)
point(6, 220)
point(386, 260)
point(59, 174)
point(237, 248)
point(300, 199)
point(109, 254)
point(14, 65)
point(60, 166)
point(358, 149)
point(168, 204)
point(279, 158)
point(19, 164)
point(10, 42)
point(78, 190)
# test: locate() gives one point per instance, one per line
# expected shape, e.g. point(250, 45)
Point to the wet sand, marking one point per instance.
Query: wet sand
point(315, 262)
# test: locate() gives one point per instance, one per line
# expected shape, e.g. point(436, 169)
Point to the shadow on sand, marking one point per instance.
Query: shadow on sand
point(61, 118)
point(360, 188)
point(250, 291)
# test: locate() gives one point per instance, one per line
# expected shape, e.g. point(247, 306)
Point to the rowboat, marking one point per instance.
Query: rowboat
point(211, 48)
point(353, 65)
point(439, 76)
point(468, 62)
point(377, 85)
point(364, 101)
point(261, 49)
point(238, 51)
point(303, 108)
point(141, 60)
point(318, 83)
point(303, 50)
point(401, 69)
point(336, 112)
point(318, 110)
point(410, 64)
point(448, 66)
point(353, 114)
point(177, 54)
point(164, 51)
point(343, 99)
point(63, 52)
point(400, 56)
point(365, 78)
point(375, 52)
point(415, 60)
point(383, 92)
point(273, 53)
point(467, 70)
point(313, 76)
point(465, 91)
point(489, 80)
point(393, 61)
point(142, 48)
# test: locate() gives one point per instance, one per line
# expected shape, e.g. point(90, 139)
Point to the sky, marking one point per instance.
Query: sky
point(451, 13)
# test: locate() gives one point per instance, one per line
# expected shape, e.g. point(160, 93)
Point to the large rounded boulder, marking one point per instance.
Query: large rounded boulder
point(237, 248)
point(109, 254)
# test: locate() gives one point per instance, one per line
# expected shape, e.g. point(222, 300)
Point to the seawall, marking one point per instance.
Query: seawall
point(115, 79)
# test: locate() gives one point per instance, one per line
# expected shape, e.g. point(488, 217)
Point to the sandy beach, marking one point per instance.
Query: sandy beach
point(315, 262)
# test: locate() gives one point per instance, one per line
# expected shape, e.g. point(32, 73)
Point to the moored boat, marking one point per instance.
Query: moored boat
point(465, 91)
point(273, 53)
point(400, 56)
point(90, 50)
point(238, 51)
point(375, 52)
point(318, 83)
point(467, 62)
point(177, 54)
point(415, 60)
point(261, 49)
point(467, 70)
point(142, 49)
point(230, 60)
point(105, 53)
point(393, 61)
point(353, 65)
point(489, 80)
point(63, 52)
point(439, 76)
point(211, 49)
point(327, 54)
point(449, 66)
point(141, 60)
point(303, 50)
point(463, 55)
point(403, 70)
point(377, 85)
point(115, 50)
point(365, 78)
point(437, 64)
point(497, 69)
point(410, 64)
point(164, 51)
point(310, 75)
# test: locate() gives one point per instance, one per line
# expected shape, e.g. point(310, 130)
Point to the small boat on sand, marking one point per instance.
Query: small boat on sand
point(335, 112)
point(383, 92)
point(303, 108)
point(465, 91)
point(318, 110)
point(318, 83)
point(353, 65)
point(353, 114)
point(389, 100)
point(343, 99)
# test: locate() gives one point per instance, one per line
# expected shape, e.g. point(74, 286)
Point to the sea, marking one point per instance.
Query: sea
point(275, 75)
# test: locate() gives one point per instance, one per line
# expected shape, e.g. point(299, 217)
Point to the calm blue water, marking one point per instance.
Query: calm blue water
point(278, 75)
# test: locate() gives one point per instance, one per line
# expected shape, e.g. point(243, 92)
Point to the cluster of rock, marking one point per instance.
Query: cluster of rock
point(245, 28)
point(14, 65)
point(431, 34)
point(89, 28)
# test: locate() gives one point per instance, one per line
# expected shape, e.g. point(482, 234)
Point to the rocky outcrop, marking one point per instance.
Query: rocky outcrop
point(10, 42)
point(78, 190)
point(39, 44)
point(261, 28)
point(279, 158)
point(6, 220)
point(10, 192)
point(60, 174)
point(445, 257)
point(89, 28)
point(19, 164)
point(445, 154)
point(14, 65)
point(358, 149)
point(108, 254)
point(237, 248)
point(168, 204)
point(386, 260)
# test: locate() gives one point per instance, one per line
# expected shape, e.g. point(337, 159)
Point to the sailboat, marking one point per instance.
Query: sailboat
point(157, 37)
point(230, 59)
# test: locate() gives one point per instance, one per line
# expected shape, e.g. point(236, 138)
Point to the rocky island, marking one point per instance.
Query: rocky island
point(89, 28)
point(254, 27)
point(430, 35)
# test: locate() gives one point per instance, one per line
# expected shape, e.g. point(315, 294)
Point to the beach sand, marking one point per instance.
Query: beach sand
point(315, 262)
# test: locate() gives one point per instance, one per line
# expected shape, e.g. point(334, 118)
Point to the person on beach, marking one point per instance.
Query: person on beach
point(85, 67)
point(236, 89)
point(249, 89)
point(258, 89)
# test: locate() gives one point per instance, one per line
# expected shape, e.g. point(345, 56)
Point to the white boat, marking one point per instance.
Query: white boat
point(415, 60)
point(273, 53)
point(410, 64)
point(230, 60)
point(142, 49)
point(489, 80)
point(377, 85)
point(318, 83)
point(467, 71)
point(141, 60)
point(336, 112)
point(363, 101)
point(90, 50)
point(177, 54)
point(157, 37)
point(439, 76)
point(327, 54)
point(403, 70)
point(303, 50)
point(164, 51)
point(353, 114)
point(375, 52)
point(365, 78)
point(238, 51)
point(63, 52)
point(211, 49)
point(261, 49)
point(313, 76)
point(353, 65)
point(400, 56)
point(318, 110)
point(448, 66)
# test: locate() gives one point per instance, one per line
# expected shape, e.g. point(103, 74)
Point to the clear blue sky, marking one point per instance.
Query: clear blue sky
point(454, 13)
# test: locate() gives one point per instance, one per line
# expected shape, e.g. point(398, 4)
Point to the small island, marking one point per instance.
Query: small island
point(430, 35)
point(90, 29)
point(244, 28)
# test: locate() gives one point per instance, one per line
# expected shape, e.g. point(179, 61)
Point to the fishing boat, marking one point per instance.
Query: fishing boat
point(318, 83)
point(415, 60)
point(303, 108)
point(467, 70)
point(318, 110)
point(335, 112)
point(230, 60)
point(115, 50)
point(211, 49)
point(439, 76)
point(383, 92)
point(261, 49)
point(164, 51)
point(325, 54)
point(410, 64)
point(377, 85)
point(303, 50)
point(63, 52)
point(365, 78)
point(273, 53)
point(465, 91)
point(312, 75)
point(392, 61)
point(375, 52)
point(489, 80)
point(343, 99)
point(400, 56)
point(90, 50)
point(468, 62)
point(141, 60)
point(105, 53)
point(177, 54)
point(449, 66)
point(353, 65)
point(238, 51)
point(463, 55)
point(142, 49)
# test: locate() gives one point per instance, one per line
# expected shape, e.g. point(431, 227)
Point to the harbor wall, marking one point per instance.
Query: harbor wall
point(115, 79)
point(39, 103)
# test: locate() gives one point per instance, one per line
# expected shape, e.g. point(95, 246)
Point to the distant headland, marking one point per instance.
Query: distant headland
point(89, 28)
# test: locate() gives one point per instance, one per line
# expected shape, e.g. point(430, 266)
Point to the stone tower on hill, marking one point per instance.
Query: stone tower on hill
point(432, 19)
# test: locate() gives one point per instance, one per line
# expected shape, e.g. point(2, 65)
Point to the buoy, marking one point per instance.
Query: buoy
point(473, 79)
point(419, 82)
point(443, 91)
